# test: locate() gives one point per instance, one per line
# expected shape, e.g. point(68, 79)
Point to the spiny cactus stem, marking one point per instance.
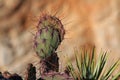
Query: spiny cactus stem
point(49, 64)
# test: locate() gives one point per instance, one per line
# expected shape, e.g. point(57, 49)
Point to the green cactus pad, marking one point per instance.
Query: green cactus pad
point(49, 36)
point(47, 40)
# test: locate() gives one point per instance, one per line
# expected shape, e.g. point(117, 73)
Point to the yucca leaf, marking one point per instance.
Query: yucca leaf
point(116, 76)
point(71, 69)
point(91, 61)
point(89, 69)
point(78, 63)
point(100, 65)
point(78, 66)
point(110, 71)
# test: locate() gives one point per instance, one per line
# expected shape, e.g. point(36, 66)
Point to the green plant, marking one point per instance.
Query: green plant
point(50, 33)
point(90, 69)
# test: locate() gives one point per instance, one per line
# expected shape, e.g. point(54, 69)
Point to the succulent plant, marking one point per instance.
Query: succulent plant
point(50, 33)
point(47, 41)
point(88, 68)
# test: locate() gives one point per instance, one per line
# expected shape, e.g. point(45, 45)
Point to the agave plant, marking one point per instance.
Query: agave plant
point(90, 68)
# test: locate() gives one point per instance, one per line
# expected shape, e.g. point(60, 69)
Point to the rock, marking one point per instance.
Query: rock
point(6, 53)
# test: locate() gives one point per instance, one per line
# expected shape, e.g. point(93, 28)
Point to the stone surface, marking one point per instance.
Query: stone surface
point(6, 53)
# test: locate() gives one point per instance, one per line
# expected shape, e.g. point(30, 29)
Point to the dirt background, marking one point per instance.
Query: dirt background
point(87, 22)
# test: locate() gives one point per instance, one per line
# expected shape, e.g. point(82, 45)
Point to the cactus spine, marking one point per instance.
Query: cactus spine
point(50, 33)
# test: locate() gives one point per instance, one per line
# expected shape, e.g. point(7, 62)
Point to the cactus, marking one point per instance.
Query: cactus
point(47, 40)
point(50, 33)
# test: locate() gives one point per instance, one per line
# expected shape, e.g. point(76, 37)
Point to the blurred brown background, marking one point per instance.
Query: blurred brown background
point(87, 22)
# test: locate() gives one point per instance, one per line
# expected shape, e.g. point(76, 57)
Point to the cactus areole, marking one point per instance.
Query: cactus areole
point(50, 33)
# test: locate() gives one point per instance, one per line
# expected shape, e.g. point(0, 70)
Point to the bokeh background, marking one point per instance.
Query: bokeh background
point(87, 22)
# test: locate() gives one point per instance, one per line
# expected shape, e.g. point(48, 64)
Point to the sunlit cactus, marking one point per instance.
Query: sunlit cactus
point(50, 33)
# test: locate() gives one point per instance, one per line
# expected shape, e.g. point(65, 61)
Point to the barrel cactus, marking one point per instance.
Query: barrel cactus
point(50, 33)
